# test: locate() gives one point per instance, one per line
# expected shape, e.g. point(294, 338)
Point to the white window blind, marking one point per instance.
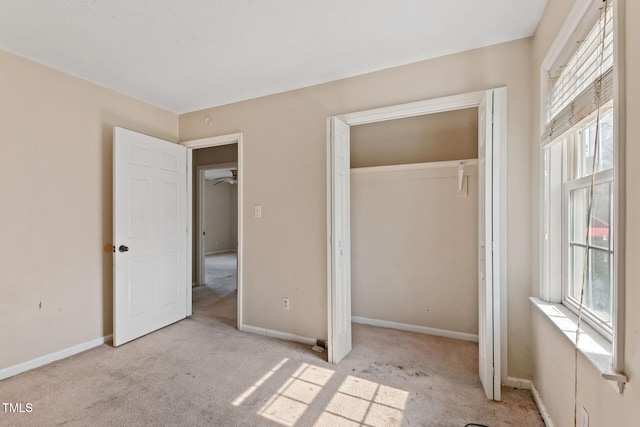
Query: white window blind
point(584, 82)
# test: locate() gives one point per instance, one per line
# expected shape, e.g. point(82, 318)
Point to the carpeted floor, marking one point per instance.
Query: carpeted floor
point(202, 371)
point(221, 271)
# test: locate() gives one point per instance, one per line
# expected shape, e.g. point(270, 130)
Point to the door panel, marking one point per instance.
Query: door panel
point(139, 274)
point(488, 340)
point(149, 234)
point(170, 267)
point(169, 209)
point(340, 344)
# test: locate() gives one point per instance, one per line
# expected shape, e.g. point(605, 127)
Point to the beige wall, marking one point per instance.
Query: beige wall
point(215, 155)
point(56, 215)
point(284, 144)
point(414, 256)
point(201, 157)
point(220, 233)
point(553, 355)
point(452, 135)
point(56, 134)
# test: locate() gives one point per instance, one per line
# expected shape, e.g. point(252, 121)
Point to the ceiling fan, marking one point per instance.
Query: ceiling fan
point(232, 178)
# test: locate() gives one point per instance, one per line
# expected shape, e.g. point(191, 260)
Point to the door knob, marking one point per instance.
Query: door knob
point(123, 248)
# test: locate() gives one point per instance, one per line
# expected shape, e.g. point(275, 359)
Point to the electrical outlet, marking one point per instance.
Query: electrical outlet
point(285, 303)
point(585, 417)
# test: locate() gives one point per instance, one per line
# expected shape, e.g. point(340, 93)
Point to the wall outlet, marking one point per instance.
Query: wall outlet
point(585, 417)
point(285, 303)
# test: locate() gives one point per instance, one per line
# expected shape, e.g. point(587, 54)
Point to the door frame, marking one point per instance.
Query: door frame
point(234, 138)
point(200, 214)
point(499, 174)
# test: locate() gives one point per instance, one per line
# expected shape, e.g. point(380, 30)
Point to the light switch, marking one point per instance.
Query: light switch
point(257, 211)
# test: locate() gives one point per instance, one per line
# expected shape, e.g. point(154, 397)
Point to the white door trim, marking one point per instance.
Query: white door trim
point(200, 214)
point(438, 105)
point(420, 108)
point(213, 141)
point(234, 138)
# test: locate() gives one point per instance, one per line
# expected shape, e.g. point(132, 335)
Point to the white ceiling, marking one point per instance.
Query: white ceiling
point(192, 54)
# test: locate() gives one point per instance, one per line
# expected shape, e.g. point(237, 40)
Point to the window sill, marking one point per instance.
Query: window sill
point(593, 346)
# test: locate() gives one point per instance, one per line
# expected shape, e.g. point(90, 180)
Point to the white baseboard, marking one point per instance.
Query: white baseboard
point(515, 382)
point(52, 357)
point(543, 409)
point(524, 384)
point(277, 334)
point(415, 328)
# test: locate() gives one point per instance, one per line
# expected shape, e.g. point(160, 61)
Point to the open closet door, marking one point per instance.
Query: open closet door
point(340, 334)
point(149, 234)
point(488, 326)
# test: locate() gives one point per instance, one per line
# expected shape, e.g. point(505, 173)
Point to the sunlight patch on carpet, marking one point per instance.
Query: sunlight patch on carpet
point(258, 383)
point(288, 404)
point(354, 401)
point(364, 403)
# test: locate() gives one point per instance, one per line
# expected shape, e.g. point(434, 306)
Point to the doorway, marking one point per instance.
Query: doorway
point(412, 265)
point(216, 232)
point(216, 214)
point(153, 228)
point(222, 173)
point(492, 222)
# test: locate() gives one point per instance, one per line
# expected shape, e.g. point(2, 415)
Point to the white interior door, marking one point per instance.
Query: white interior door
point(488, 340)
point(340, 324)
point(149, 234)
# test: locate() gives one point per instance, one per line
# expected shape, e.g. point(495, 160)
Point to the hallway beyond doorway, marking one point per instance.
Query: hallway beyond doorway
point(221, 271)
point(218, 299)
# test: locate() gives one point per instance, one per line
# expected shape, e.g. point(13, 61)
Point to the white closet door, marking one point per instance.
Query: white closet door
point(340, 344)
point(488, 343)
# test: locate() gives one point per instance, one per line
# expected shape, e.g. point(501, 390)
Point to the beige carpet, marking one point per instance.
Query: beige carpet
point(202, 371)
point(221, 271)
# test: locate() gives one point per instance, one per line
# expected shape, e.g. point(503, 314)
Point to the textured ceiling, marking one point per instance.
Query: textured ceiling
point(185, 55)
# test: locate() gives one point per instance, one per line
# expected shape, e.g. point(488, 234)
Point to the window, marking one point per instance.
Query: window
point(590, 263)
point(578, 155)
